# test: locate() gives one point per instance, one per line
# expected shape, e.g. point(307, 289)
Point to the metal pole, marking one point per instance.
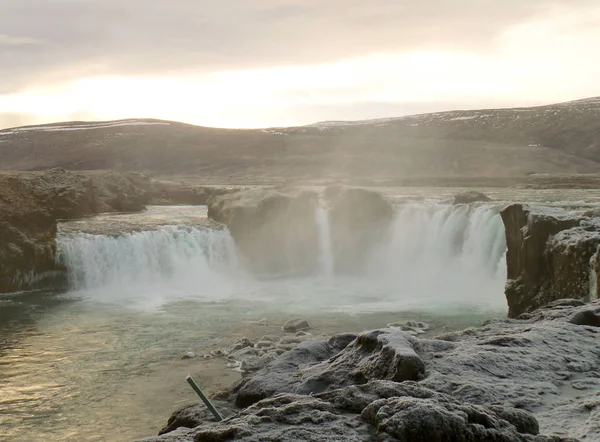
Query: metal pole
point(208, 404)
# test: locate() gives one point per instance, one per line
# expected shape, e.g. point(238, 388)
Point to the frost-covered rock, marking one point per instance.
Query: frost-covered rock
point(529, 380)
point(552, 254)
point(294, 325)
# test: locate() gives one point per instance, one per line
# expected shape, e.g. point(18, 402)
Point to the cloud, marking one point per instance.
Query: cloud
point(8, 40)
point(159, 37)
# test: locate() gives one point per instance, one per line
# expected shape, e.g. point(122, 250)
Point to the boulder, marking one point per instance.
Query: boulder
point(470, 197)
point(190, 416)
point(307, 369)
point(294, 325)
point(551, 254)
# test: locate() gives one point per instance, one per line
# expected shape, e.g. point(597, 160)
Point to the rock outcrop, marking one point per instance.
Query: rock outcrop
point(552, 254)
point(30, 205)
point(470, 197)
point(359, 221)
point(277, 232)
point(274, 230)
point(510, 380)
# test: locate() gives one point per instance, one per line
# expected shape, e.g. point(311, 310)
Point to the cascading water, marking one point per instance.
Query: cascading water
point(325, 247)
point(171, 259)
point(434, 255)
point(439, 251)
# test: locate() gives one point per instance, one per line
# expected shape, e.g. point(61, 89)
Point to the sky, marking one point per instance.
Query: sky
point(266, 63)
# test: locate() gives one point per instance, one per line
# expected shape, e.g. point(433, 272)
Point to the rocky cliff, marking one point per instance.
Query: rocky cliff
point(552, 254)
point(32, 202)
point(30, 205)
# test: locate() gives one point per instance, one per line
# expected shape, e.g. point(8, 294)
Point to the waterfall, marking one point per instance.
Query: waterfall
point(433, 255)
point(169, 259)
point(325, 249)
point(436, 250)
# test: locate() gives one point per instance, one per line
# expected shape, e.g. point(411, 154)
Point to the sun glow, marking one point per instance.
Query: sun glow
point(286, 95)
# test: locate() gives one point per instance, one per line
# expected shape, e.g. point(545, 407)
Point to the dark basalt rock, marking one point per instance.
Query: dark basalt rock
point(551, 255)
point(587, 317)
point(294, 325)
point(31, 204)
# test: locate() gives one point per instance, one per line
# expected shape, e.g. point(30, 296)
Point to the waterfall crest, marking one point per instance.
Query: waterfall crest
point(431, 253)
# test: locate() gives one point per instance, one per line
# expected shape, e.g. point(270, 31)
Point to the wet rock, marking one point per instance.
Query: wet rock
point(470, 197)
point(191, 416)
point(301, 334)
point(549, 256)
point(255, 363)
point(294, 325)
point(481, 385)
point(341, 340)
point(264, 344)
point(242, 343)
point(586, 317)
point(377, 411)
point(279, 375)
point(244, 353)
point(384, 354)
point(379, 354)
point(408, 419)
point(287, 418)
point(189, 355)
point(219, 353)
point(412, 327)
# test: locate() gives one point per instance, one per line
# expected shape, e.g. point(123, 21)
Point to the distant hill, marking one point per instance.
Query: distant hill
point(556, 139)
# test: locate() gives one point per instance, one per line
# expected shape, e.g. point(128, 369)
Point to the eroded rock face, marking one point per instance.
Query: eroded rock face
point(359, 221)
point(551, 255)
point(471, 197)
point(275, 230)
point(30, 205)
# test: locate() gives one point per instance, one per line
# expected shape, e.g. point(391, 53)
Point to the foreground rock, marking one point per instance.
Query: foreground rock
point(552, 253)
point(511, 380)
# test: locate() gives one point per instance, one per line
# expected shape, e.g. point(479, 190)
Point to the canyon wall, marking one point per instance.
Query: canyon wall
point(552, 254)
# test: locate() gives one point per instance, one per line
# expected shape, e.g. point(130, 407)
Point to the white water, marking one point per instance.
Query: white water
point(435, 256)
point(152, 266)
point(325, 247)
point(439, 251)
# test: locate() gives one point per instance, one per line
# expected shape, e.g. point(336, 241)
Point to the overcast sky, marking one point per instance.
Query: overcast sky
point(259, 63)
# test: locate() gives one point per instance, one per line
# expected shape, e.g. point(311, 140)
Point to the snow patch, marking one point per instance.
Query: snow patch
point(63, 128)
